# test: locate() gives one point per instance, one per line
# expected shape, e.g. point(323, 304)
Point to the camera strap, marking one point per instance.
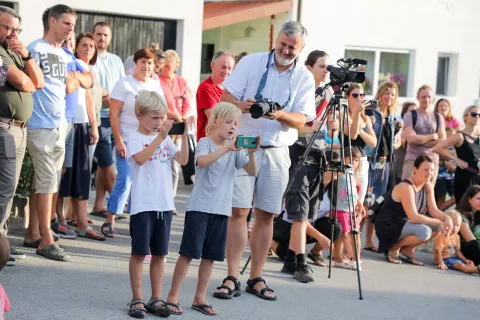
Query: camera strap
point(263, 81)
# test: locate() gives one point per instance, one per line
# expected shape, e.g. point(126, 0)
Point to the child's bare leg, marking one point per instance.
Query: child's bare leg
point(181, 268)
point(466, 269)
point(136, 270)
point(204, 274)
point(348, 245)
point(157, 269)
point(337, 249)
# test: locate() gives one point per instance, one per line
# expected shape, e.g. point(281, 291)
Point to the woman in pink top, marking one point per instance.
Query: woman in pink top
point(178, 99)
point(444, 107)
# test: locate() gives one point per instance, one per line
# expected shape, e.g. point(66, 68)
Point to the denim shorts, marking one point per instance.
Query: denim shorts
point(150, 232)
point(450, 262)
point(104, 151)
point(204, 235)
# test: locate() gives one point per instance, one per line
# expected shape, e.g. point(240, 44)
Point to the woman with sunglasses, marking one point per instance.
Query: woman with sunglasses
point(380, 156)
point(366, 135)
point(467, 147)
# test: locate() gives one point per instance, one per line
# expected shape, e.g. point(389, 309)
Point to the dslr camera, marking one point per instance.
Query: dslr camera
point(263, 107)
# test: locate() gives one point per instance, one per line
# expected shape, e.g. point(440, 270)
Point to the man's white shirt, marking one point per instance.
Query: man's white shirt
point(243, 84)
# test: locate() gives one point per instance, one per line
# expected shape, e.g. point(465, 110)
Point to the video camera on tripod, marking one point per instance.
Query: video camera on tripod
point(347, 71)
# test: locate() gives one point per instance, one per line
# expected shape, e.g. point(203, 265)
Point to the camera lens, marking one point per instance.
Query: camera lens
point(258, 110)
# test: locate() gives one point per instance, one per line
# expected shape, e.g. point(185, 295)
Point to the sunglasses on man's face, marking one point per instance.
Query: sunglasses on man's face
point(356, 95)
point(474, 114)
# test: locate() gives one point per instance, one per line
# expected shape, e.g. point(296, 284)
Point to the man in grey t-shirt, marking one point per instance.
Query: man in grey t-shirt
point(424, 134)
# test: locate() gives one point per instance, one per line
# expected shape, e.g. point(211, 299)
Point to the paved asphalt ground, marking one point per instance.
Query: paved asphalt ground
point(95, 285)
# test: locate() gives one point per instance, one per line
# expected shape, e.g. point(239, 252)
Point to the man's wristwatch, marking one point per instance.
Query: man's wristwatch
point(27, 57)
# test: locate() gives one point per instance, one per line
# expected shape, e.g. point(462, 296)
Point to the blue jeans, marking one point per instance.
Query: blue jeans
point(378, 179)
point(121, 190)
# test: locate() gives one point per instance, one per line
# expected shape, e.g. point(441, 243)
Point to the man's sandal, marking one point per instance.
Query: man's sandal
point(261, 294)
point(159, 309)
point(231, 292)
point(137, 312)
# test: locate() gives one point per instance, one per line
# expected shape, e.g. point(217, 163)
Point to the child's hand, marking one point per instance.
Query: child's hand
point(258, 146)
point(469, 263)
point(442, 266)
point(231, 144)
point(165, 128)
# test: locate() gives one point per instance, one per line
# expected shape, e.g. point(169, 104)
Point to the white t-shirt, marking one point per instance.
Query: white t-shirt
point(126, 90)
point(152, 186)
point(81, 115)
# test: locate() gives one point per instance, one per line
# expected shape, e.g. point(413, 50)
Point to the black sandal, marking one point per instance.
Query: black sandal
point(231, 292)
point(261, 294)
point(107, 230)
point(175, 305)
point(160, 309)
point(137, 312)
point(317, 259)
point(202, 308)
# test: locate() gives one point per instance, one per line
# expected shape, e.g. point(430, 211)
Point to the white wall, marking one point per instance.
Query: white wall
point(189, 26)
point(425, 27)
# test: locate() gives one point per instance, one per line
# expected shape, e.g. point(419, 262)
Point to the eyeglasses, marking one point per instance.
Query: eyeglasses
point(356, 95)
point(474, 114)
point(11, 29)
point(161, 56)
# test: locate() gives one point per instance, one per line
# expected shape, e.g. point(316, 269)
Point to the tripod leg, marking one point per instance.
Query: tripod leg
point(355, 233)
point(332, 222)
point(246, 264)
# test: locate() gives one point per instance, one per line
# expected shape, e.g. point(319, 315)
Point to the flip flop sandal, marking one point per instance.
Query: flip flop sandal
point(410, 260)
point(53, 252)
point(261, 294)
point(137, 312)
point(372, 249)
point(33, 244)
point(101, 213)
point(109, 233)
point(236, 292)
point(202, 308)
point(388, 256)
point(85, 233)
point(160, 309)
point(175, 305)
point(72, 223)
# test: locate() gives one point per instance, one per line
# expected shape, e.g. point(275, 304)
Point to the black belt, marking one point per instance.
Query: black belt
point(268, 147)
point(13, 122)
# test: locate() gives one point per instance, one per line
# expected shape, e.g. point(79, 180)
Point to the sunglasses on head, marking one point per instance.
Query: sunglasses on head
point(474, 114)
point(356, 95)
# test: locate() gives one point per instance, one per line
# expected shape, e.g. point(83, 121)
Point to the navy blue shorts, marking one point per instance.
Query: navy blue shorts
point(204, 235)
point(450, 262)
point(105, 147)
point(150, 232)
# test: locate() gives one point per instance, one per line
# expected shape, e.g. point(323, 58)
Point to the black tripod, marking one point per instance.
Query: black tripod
point(336, 104)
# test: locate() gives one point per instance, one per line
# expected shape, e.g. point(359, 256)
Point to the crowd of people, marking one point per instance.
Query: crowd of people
point(76, 107)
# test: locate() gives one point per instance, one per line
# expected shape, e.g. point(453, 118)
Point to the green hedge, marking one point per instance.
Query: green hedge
point(23, 186)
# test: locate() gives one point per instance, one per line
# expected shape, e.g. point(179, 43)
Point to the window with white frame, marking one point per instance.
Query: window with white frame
point(383, 65)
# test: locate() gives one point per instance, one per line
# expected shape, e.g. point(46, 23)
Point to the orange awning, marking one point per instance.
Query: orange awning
point(220, 14)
